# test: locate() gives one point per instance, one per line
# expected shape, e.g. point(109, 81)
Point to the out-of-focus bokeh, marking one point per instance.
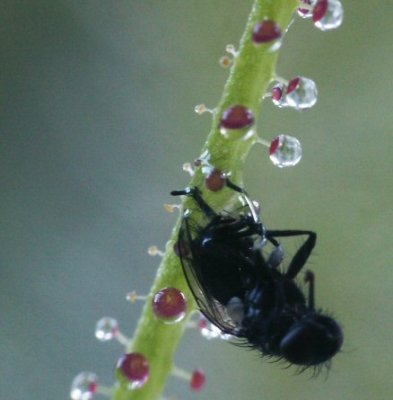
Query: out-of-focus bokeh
point(97, 118)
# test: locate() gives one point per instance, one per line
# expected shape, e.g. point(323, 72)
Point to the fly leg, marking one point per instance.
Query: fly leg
point(303, 253)
point(310, 279)
point(195, 193)
point(249, 202)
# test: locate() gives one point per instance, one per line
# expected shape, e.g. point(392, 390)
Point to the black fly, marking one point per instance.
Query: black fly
point(245, 294)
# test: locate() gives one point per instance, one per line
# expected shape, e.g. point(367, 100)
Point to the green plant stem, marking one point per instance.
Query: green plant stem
point(250, 75)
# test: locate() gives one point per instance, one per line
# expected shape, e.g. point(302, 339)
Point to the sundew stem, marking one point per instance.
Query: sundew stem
point(249, 77)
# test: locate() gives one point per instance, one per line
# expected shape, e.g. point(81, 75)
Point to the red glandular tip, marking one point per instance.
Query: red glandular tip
point(293, 84)
point(320, 10)
point(169, 305)
point(266, 31)
point(274, 145)
point(237, 117)
point(276, 93)
point(215, 180)
point(135, 368)
point(198, 380)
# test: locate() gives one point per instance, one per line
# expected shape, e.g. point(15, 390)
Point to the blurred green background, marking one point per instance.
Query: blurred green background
point(96, 120)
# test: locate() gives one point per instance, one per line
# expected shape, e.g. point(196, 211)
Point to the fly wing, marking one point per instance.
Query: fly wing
point(213, 310)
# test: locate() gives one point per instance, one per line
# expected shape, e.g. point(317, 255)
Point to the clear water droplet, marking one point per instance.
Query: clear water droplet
point(106, 329)
point(328, 14)
point(301, 93)
point(285, 151)
point(84, 386)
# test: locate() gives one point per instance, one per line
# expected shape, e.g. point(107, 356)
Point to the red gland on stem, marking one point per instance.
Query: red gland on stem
point(215, 180)
point(237, 117)
point(135, 367)
point(169, 305)
point(266, 31)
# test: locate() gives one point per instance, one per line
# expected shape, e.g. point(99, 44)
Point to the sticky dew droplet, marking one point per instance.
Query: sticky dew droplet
point(133, 296)
point(301, 93)
point(187, 167)
point(285, 151)
point(154, 251)
point(106, 329)
point(328, 14)
point(231, 49)
point(215, 180)
point(236, 121)
point(237, 117)
point(84, 386)
point(169, 305)
point(306, 8)
point(266, 31)
point(210, 331)
point(278, 95)
point(135, 368)
point(202, 109)
point(171, 208)
point(225, 61)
